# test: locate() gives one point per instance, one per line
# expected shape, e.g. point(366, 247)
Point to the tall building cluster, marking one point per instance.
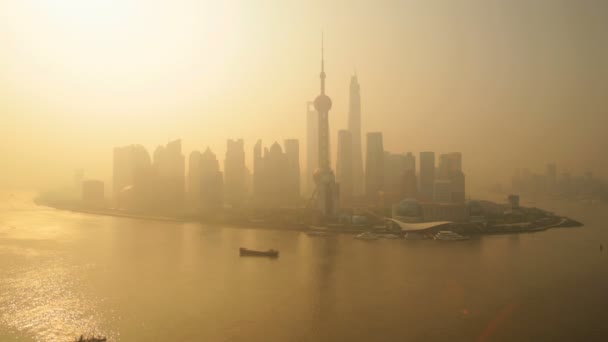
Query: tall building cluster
point(276, 175)
point(164, 184)
point(382, 178)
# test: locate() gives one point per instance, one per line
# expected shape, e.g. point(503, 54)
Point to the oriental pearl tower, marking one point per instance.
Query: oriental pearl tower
point(327, 191)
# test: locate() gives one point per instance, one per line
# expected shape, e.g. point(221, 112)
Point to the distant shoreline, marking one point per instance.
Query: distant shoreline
point(491, 230)
point(231, 224)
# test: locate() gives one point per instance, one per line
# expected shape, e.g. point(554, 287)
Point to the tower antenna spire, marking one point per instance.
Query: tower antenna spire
point(322, 75)
point(322, 52)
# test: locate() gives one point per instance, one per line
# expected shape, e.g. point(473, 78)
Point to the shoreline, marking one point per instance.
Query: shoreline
point(564, 222)
point(229, 224)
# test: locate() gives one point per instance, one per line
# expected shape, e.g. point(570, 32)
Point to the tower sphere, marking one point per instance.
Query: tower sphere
point(322, 103)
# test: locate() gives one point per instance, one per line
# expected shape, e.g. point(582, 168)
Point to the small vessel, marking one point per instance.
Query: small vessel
point(448, 235)
point(415, 236)
point(271, 253)
point(91, 339)
point(366, 236)
point(317, 233)
point(390, 236)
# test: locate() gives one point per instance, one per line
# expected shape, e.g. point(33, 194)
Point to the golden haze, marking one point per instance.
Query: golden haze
point(508, 83)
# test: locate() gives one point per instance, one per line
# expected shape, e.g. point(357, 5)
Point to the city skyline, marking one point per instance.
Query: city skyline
point(305, 170)
point(421, 67)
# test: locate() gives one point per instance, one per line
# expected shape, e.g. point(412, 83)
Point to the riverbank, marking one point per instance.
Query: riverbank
point(465, 228)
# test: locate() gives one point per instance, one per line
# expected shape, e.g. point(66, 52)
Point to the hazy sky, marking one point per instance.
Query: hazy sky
point(509, 83)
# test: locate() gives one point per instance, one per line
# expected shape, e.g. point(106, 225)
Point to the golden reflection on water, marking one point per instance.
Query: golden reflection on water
point(65, 274)
point(43, 302)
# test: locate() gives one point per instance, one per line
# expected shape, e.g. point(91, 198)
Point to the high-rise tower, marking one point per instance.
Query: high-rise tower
point(427, 175)
point(354, 126)
point(327, 190)
point(344, 166)
point(312, 146)
point(374, 166)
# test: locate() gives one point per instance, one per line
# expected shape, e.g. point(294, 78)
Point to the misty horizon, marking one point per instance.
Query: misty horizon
point(508, 85)
point(315, 171)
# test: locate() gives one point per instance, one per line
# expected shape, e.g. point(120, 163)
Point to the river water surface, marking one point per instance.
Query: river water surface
point(63, 274)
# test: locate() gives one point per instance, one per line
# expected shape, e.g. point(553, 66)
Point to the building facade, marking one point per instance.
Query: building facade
point(354, 127)
point(374, 166)
point(427, 175)
point(344, 166)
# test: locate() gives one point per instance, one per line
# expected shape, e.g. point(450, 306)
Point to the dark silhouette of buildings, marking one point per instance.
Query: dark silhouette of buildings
point(374, 166)
point(427, 175)
point(327, 191)
point(354, 127)
point(344, 166)
point(235, 171)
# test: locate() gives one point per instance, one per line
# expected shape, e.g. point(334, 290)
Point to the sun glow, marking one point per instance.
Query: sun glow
point(100, 51)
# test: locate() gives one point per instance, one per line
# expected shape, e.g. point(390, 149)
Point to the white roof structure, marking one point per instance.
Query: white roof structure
point(406, 227)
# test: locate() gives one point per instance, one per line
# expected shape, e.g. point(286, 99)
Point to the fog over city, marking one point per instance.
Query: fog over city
point(303, 170)
point(509, 84)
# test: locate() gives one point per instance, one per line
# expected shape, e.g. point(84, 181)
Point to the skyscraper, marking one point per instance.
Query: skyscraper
point(327, 190)
point(442, 191)
point(344, 165)
point(235, 173)
point(410, 162)
point(275, 176)
point(427, 175)
point(450, 169)
point(374, 165)
point(211, 183)
point(258, 174)
point(409, 185)
point(169, 166)
point(354, 126)
point(292, 152)
point(132, 177)
point(449, 163)
point(394, 168)
point(194, 178)
point(312, 146)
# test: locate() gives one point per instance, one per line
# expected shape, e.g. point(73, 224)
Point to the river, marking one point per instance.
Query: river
point(63, 274)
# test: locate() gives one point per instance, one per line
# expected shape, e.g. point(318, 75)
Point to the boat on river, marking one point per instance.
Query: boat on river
point(448, 235)
point(91, 339)
point(271, 253)
point(317, 233)
point(367, 236)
